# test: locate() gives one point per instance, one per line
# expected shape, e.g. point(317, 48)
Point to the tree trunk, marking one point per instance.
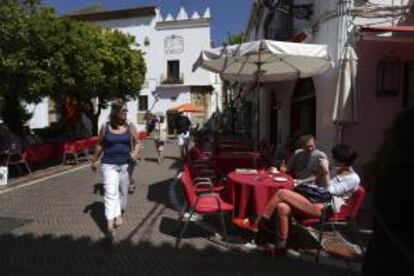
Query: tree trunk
point(88, 110)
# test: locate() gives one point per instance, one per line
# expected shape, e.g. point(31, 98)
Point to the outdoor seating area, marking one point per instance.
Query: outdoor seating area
point(37, 154)
point(30, 151)
point(226, 178)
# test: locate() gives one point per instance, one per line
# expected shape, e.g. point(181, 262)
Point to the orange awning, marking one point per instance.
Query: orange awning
point(187, 107)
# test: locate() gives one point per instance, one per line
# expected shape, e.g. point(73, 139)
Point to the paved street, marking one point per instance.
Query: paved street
point(61, 229)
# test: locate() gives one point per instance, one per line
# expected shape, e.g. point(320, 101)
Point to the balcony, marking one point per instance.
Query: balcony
point(165, 80)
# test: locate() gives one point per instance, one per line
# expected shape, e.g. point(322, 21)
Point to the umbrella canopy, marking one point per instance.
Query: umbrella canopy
point(187, 107)
point(345, 105)
point(270, 60)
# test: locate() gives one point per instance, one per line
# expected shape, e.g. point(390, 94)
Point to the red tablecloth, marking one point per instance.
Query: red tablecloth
point(251, 192)
point(227, 161)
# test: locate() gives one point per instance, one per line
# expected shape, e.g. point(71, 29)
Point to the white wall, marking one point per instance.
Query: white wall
point(40, 118)
point(196, 38)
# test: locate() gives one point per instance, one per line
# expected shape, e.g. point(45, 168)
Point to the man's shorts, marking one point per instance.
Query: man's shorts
point(159, 145)
point(184, 139)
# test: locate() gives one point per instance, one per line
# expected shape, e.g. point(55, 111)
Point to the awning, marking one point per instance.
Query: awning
point(186, 107)
point(383, 29)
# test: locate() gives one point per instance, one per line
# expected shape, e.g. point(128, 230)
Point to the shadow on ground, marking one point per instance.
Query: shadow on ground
point(65, 255)
point(151, 159)
point(159, 192)
point(98, 188)
point(97, 212)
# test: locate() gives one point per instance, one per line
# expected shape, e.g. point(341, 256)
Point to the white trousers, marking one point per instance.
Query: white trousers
point(116, 182)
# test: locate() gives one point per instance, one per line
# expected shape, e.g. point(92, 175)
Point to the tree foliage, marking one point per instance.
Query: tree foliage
point(232, 39)
point(45, 55)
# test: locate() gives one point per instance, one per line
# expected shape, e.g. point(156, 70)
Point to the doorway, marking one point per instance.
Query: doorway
point(274, 118)
point(303, 109)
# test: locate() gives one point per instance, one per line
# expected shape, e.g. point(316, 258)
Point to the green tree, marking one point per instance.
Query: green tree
point(44, 55)
point(23, 76)
point(99, 66)
point(232, 39)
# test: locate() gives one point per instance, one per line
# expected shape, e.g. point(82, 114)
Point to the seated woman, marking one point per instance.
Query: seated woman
point(284, 203)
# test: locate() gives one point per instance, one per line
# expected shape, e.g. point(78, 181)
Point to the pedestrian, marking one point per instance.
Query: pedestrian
point(151, 121)
point(118, 144)
point(132, 165)
point(182, 125)
point(160, 137)
point(304, 164)
point(391, 247)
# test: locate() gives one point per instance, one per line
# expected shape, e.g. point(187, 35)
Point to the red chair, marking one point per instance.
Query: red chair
point(203, 181)
point(82, 148)
point(203, 204)
point(142, 135)
point(91, 143)
point(69, 151)
point(17, 158)
point(346, 216)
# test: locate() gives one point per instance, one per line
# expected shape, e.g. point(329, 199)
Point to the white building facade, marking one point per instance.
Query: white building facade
point(170, 46)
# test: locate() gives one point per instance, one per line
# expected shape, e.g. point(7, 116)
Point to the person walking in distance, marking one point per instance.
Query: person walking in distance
point(118, 144)
point(183, 124)
point(160, 137)
point(133, 163)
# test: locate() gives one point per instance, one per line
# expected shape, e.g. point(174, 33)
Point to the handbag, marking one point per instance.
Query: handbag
point(315, 194)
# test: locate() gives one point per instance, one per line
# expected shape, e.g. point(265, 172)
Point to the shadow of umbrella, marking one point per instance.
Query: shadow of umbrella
point(168, 226)
point(159, 192)
point(7, 224)
point(97, 212)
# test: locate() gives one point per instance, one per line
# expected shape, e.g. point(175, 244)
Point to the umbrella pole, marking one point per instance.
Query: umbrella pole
point(257, 102)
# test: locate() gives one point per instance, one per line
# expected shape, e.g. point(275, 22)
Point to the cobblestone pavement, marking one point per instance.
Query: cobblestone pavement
point(63, 231)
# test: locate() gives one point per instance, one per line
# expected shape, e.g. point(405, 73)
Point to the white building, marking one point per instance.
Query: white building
point(170, 46)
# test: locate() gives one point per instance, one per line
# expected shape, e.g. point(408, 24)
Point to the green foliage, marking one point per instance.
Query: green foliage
point(232, 39)
point(45, 55)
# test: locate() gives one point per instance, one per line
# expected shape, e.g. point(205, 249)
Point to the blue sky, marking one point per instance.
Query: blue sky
point(228, 15)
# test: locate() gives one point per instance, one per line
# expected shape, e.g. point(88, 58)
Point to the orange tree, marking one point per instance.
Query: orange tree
point(42, 55)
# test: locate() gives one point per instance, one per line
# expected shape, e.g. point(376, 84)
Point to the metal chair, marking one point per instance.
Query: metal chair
point(17, 158)
point(346, 216)
point(204, 204)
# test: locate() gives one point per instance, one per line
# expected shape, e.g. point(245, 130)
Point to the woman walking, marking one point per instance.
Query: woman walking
point(118, 144)
point(161, 137)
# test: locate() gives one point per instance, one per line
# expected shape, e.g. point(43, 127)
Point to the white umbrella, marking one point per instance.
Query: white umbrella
point(270, 60)
point(345, 107)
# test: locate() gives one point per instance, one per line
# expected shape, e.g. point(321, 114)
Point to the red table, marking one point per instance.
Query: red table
point(227, 161)
point(256, 189)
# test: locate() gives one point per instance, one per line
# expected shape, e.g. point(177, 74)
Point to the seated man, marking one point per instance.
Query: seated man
point(305, 163)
